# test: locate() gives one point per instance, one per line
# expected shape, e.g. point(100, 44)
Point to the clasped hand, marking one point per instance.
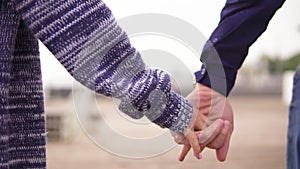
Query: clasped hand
point(211, 125)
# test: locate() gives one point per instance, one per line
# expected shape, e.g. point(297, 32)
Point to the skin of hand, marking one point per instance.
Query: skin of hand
point(211, 126)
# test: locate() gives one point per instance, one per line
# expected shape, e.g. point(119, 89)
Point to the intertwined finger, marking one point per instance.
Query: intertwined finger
point(193, 143)
point(211, 132)
point(220, 139)
point(186, 148)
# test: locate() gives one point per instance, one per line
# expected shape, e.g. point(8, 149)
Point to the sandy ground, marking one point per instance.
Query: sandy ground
point(258, 142)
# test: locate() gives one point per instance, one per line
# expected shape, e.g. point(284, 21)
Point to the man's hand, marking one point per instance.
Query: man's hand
point(212, 123)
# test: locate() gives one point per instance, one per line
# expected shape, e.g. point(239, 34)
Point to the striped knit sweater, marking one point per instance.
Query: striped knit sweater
point(84, 36)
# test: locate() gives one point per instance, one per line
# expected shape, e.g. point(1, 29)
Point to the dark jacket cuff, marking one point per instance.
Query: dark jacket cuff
point(210, 78)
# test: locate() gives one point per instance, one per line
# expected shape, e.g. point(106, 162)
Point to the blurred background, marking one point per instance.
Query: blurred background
point(260, 98)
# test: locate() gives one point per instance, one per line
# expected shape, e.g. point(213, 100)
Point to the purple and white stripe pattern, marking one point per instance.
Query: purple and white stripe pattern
point(84, 36)
point(86, 39)
point(22, 118)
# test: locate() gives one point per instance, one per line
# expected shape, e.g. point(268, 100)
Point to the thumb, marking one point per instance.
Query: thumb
point(211, 132)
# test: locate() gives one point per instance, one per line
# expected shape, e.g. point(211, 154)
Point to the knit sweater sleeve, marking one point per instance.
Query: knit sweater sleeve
point(84, 36)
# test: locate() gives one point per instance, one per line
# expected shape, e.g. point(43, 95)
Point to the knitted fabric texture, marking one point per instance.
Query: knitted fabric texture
point(85, 38)
point(22, 119)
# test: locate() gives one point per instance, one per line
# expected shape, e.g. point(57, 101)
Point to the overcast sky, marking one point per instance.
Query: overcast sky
point(282, 37)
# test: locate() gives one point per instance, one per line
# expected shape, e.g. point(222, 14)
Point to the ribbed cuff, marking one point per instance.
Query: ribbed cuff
point(174, 112)
point(177, 114)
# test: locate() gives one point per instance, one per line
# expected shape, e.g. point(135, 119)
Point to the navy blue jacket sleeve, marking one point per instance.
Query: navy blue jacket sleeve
point(242, 22)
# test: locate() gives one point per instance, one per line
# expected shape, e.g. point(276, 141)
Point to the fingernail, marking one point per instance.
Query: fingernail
point(199, 135)
point(227, 123)
point(201, 138)
point(200, 156)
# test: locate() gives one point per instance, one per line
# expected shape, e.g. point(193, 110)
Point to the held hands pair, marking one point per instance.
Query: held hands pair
point(211, 126)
